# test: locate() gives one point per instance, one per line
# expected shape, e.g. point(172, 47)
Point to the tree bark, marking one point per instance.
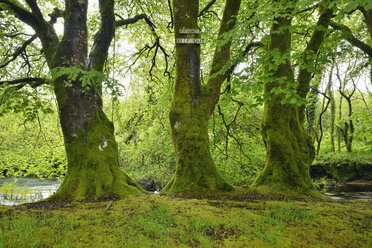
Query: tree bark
point(333, 111)
point(319, 136)
point(92, 153)
point(349, 126)
point(348, 130)
point(289, 149)
point(311, 109)
point(339, 129)
point(193, 103)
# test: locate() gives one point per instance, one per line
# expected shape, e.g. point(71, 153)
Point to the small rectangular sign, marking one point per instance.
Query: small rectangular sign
point(190, 41)
point(189, 31)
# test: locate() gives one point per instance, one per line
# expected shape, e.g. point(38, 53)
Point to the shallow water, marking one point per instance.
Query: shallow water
point(350, 192)
point(34, 189)
point(38, 189)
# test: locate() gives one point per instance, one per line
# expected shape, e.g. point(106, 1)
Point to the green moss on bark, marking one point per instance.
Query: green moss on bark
point(189, 116)
point(289, 149)
point(93, 166)
point(195, 168)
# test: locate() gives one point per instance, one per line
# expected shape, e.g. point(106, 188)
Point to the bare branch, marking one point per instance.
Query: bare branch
point(170, 25)
point(206, 8)
point(17, 34)
point(43, 29)
point(133, 20)
point(20, 50)
point(147, 48)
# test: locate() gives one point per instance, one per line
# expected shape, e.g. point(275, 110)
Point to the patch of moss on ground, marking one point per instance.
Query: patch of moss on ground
point(246, 218)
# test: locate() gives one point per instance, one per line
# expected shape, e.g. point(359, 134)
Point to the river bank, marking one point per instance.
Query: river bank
point(15, 191)
point(248, 219)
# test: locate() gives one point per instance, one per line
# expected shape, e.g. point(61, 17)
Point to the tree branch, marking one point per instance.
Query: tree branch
point(316, 40)
point(104, 36)
point(346, 31)
point(20, 83)
point(57, 13)
point(242, 55)
point(156, 45)
point(308, 9)
point(133, 20)
point(171, 14)
point(222, 54)
point(148, 48)
point(367, 19)
point(206, 8)
point(20, 50)
point(35, 9)
point(43, 29)
point(22, 14)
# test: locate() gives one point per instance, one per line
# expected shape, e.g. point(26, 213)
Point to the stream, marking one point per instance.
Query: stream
point(350, 192)
point(25, 190)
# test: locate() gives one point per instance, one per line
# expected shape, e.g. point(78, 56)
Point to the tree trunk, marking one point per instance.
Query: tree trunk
point(289, 149)
point(311, 109)
point(92, 153)
point(319, 127)
point(192, 104)
point(339, 129)
point(333, 111)
point(349, 126)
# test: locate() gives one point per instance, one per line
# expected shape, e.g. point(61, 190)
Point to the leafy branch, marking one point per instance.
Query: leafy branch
point(87, 78)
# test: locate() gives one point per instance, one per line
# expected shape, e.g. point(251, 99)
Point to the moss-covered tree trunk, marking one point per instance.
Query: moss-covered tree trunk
point(349, 126)
point(193, 103)
point(289, 149)
point(92, 153)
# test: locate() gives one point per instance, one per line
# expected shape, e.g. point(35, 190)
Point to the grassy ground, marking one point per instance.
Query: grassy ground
point(245, 219)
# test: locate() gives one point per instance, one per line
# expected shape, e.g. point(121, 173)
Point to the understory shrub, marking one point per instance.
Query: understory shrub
point(342, 166)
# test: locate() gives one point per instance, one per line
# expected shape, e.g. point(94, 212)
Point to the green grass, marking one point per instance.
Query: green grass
point(162, 221)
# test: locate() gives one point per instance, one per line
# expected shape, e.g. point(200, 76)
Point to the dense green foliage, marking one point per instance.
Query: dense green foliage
point(31, 148)
point(343, 166)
